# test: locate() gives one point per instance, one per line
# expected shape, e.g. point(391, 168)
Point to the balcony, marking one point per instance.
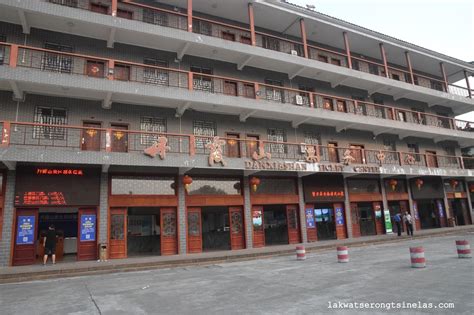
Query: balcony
point(178, 18)
point(87, 139)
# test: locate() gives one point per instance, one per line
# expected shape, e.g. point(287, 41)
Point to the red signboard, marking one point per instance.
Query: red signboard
point(59, 171)
point(327, 193)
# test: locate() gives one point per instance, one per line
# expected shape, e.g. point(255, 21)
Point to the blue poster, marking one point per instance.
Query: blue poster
point(310, 218)
point(88, 227)
point(339, 216)
point(25, 230)
point(440, 208)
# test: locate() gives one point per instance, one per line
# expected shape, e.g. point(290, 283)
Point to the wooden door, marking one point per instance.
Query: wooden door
point(228, 36)
point(230, 88)
point(332, 152)
point(122, 73)
point(237, 239)
point(252, 145)
point(26, 227)
point(118, 233)
point(293, 224)
point(246, 40)
point(95, 68)
point(258, 226)
point(168, 237)
point(99, 8)
point(356, 152)
point(119, 138)
point(91, 136)
point(336, 62)
point(87, 234)
point(125, 14)
point(194, 230)
point(327, 103)
point(233, 145)
point(431, 160)
point(341, 106)
point(249, 90)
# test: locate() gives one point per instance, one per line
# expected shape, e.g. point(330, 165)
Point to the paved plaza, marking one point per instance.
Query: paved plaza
point(377, 274)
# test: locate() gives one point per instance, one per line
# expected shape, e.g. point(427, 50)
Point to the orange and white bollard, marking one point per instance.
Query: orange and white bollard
point(417, 256)
point(342, 254)
point(464, 249)
point(300, 252)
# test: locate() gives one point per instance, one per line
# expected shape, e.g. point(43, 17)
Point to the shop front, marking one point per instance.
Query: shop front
point(275, 211)
point(366, 206)
point(397, 198)
point(142, 216)
point(428, 202)
point(65, 197)
point(215, 217)
point(457, 201)
point(324, 198)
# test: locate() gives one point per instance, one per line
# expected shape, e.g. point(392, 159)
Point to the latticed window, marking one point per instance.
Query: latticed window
point(202, 83)
point(57, 62)
point(151, 124)
point(50, 116)
point(203, 128)
point(202, 27)
point(277, 135)
point(270, 43)
point(155, 17)
point(154, 75)
point(271, 93)
point(312, 138)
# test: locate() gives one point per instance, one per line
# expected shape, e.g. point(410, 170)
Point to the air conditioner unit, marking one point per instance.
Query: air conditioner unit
point(294, 52)
point(299, 100)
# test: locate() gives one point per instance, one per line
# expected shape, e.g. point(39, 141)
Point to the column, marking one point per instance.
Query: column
point(446, 205)
point(252, 25)
point(407, 56)
point(181, 216)
point(384, 59)
point(410, 204)
point(247, 214)
point(384, 202)
point(303, 37)
point(445, 78)
point(103, 210)
point(466, 76)
point(348, 50)
point(469, 201)
point(114, 7)
point(190, 16)
point(347, 206)
point(304, 236)
point(8, 212)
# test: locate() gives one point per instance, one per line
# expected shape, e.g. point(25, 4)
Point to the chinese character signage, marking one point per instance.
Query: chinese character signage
point(339, 216)
point(388, 222)
point(88, 227)
point(310, 218)
point(25, 230)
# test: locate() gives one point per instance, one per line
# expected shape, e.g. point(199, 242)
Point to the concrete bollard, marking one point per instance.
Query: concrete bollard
point(464, 249)
point(300, 252)
point(342, 254)
point(417, 256)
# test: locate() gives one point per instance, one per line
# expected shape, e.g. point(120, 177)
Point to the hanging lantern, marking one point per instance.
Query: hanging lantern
point(187, 181)
point(471, 187)
point(254, 182)
point(393, 184)
point(454, 183)
point(419, 183)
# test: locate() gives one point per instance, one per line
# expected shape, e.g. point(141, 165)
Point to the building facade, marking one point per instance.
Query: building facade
point(188, 126)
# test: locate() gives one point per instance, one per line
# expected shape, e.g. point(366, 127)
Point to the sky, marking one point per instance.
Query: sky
point(445, 26)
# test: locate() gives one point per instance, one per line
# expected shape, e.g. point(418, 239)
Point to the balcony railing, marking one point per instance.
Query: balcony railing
point(177, 18)
point(65, 137)
point(111, 69)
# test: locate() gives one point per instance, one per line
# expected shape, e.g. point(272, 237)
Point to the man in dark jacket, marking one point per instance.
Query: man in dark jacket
point(398, 221)
point(49, 244)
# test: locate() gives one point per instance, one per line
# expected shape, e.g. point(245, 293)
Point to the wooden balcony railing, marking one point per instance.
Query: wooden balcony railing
point(111, 69)
point(75, 138)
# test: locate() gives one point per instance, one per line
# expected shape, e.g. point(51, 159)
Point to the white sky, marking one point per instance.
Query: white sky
point(445, 26)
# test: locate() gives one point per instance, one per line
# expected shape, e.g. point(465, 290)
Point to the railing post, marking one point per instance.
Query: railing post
point(13, 55)
point(114, 7)
point(394, 117)
point(5, 134)
point(318, 153)
point(419, 118)
point(192, 145)
point(461, 162)
point(111, 69)
point(364, 157)
point(407, 56)
point(311, 100)
point(257, 90)
point(445, 78)
point(356, 104)
point(252, 25)
point(108, 140)
point(190, 81)
point(400, 158)
point(384, 59)
point(468, 84)
point(451, 123)
point(348, 50)
point(190, 16)
point(425, 157)
point(303, 37)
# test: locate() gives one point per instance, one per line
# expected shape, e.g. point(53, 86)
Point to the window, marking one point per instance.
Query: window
point(312, 138)
point(389, 145)
point(151, 124)
point(271, 93)
point(395, 77)
point(379, 111)
point(277, 135)
point(50, 116)
point(449, 151)
point(202, 83)
point(415, 149)
point(215, 186)
point(203, 128)
point(373, 69)
point(135, 185)
point(270, 43)
point(202, 27)
point(304, 96)
point(355, 65)
point(57, 62)
point(436, 85)
point(155, 75)
point(3, 38)
point(323, 58)
point(336, 62)
point(155, 17)
point(125, 14)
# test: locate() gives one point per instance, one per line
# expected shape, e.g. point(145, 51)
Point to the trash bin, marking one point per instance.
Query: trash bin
point(103, 252)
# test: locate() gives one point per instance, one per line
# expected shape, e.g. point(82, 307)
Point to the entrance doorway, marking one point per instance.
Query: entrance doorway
point(143, 232)
point(275, 225)
point(460, 211)
point(366, 219)
point(325, 221)
point(215, 228)
point(396, 207)
point(429, 217)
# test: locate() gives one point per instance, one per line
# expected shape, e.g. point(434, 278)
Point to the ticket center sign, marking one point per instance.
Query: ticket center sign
point(88, 223)
point(25, 230)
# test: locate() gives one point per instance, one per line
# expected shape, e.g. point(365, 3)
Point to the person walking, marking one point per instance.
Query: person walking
point(408, 223)
point(49, 244)
point(398, 222)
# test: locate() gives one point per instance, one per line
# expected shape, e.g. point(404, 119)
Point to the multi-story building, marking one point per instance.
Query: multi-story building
point(175, 127)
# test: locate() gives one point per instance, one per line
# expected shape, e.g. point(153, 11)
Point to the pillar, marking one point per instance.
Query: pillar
point(348, 211)
point(190, 16)
point(182, 244)
point(411, 205)
point(103, 210)
point(304, 236)
point(348, 50)
point(468, 84)
point(469, 201)
point(8, 212)
point(252, 25)
point(410, 69)
point(114, 7)
point(247, 214)
point(445, 78)
point(384, 59)
point(303, 37)
point(384, 202)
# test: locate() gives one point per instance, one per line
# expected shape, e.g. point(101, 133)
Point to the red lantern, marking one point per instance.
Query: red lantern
point(187, 181)
point(393, 184)
point(454, 183)
point(254, 182)
point(419, 183)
